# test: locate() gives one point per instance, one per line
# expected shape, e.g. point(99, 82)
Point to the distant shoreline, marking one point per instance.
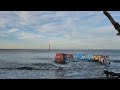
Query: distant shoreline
point(65, 49)
point(60, 49)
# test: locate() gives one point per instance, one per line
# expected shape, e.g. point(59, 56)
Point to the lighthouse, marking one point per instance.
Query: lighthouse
point(49, 46)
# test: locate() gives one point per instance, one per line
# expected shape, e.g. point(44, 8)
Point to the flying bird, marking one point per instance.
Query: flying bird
point(114, 23)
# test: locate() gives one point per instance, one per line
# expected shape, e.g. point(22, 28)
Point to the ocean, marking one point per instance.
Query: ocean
point(39, 64)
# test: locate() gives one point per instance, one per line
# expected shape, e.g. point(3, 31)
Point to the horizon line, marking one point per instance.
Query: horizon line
point(56, 49)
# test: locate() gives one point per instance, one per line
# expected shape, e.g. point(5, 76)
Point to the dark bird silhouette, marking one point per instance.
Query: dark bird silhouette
point(114, 23)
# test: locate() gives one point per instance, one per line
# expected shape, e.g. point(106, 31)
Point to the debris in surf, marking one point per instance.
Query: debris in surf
point(61, 58)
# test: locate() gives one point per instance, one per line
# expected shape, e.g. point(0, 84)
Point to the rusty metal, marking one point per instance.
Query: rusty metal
point(60, 58)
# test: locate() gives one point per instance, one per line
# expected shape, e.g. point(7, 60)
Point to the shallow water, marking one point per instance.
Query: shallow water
point(39, 64)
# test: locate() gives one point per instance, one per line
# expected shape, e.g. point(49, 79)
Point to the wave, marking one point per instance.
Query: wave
point(29, 68)
point(116, 60)
point(42, 66)
point(44, 58)
point(35, 66)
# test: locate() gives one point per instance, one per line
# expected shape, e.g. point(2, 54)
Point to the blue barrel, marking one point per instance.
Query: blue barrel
point(79, 56)
point(82, 56)
point(88, 56)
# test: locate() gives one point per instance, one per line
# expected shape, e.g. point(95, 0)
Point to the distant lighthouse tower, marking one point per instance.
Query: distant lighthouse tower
point(49, 46)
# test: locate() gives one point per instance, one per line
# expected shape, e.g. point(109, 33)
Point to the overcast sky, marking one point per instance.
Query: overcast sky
point(62, 29)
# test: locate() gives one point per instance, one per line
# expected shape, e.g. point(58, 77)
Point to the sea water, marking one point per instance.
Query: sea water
point(39, 64)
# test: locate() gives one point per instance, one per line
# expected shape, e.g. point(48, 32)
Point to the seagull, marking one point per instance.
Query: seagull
point(114, 23)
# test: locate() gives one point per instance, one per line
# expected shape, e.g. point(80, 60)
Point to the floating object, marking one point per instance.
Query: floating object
point(101, 59)
point(68, 56)
point(79, 56)
point(82, 56)
point(60, 58)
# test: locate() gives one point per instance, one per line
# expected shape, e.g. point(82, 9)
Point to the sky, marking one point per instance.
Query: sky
point(62, 29)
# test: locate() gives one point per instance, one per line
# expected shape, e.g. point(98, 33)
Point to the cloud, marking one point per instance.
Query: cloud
point(66, 28)
point(7, 19)
point(13, 30)
point(29, 36)
point(3, 34)
point(23, 17)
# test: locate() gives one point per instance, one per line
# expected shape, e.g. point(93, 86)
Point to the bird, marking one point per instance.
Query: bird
point(114, 23)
